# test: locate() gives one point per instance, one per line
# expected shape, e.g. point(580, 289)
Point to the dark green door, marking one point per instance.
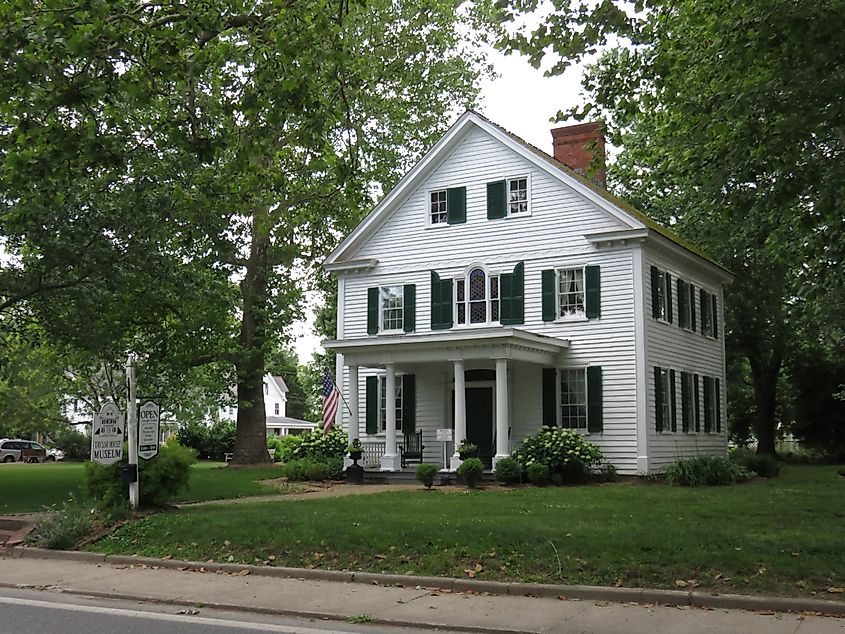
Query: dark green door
point(480, 419)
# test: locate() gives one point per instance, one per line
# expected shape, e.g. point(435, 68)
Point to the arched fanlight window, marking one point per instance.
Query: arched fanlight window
point(477, 298)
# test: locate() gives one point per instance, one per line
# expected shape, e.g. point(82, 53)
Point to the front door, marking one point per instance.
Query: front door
point(479, 402)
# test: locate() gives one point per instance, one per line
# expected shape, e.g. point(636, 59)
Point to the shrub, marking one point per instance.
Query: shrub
point(565, 452)
point(64, 528)
point(508, 471)
point(426, 474)
point(705, 471)
point(317, 471)
point(77, 446)
point(607, 473)
point(335, 468)
point(538, 474)
point(471, 471)
point(159, 478)
point(295, 470)
point(220, 439)
point(316, 444)
point(761, 464)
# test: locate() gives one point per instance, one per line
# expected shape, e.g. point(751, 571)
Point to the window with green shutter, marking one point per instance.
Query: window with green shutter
point(595, 405)
point(708, 405)
point(592, 275)
point(372, 310)
point(672, 400)
point(441, 302)
point(664, 399)
point(547, 291)
point(687, 403)
point(497, 201)
point(659, 398)
point(372, 405)
point(512, 293)
point(456, 205)
point(661, 295)
point(409, 317)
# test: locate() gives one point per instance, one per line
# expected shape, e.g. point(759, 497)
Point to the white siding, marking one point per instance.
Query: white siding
point(669, 346)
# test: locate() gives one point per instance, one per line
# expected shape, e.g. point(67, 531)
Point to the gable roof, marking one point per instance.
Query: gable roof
point(622, 211)
point(279, 382)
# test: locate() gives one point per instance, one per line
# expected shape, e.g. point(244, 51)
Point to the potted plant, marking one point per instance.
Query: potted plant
point(466, 449)
point(355, 450)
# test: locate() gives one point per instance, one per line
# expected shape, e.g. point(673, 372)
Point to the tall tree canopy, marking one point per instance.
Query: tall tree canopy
point(171, 171)
point(731, 120)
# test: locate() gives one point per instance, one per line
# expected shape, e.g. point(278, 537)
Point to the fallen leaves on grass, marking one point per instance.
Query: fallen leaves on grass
point(834, 590)
point(474, 571)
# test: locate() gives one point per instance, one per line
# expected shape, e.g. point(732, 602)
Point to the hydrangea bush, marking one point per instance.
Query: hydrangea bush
point(316, 444)
point(565, 452)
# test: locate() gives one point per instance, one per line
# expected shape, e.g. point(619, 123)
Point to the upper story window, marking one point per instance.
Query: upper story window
point(517, 195)
point(437, 207)
point(266, 389)
point(477, 298)
point(708, 314)
point(392, 307)
point(570, 292)
point(382, 410)
point(276, 409)
point(686, 305)
point(661, 294)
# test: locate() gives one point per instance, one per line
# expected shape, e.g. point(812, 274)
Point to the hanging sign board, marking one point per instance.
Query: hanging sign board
point(149, 421)
point(107, 435)
point(444, 435)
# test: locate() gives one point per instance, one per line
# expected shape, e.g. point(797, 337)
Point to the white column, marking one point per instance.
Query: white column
point(352, 400)
point(502, 448)
point(460, 413)
point(391, 460)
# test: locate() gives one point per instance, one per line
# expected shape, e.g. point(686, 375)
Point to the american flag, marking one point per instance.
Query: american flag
point(331, 396)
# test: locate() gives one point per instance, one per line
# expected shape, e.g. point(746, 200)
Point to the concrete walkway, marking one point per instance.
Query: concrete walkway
point(401, 606)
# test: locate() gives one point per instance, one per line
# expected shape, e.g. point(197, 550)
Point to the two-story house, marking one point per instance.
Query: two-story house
point(496, 289)
point(275, 409)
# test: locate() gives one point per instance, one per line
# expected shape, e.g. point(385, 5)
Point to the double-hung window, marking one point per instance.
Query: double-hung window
point(397, 400)
point(437, 209)
point(573, 398)
point(570, 292)
point(708, 314)
point(392, 311)
point(517, 196)
point(664, 399)
point(686, 305)
point(689, 406)
point(477, 298)
point(662, 288)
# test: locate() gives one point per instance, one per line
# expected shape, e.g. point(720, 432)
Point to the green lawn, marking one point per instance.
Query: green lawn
point(27, 488)
point(782, 536)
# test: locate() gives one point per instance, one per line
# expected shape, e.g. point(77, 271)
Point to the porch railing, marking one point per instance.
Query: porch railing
point(373, 451)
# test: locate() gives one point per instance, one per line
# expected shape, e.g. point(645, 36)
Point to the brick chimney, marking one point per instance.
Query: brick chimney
point(575, 145)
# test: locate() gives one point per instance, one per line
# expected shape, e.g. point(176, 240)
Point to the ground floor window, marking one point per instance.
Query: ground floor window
point(573, 398)
point(382, 411)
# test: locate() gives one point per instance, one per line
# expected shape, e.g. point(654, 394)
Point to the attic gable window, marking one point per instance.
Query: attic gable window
point(438, 207)
point(517, 196)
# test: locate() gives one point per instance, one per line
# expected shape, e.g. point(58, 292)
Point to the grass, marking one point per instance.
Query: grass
point(781, 536)
point(26, 488)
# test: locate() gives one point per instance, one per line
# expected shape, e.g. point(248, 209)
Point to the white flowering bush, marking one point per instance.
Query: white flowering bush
point(316, 444)
point(567, 454)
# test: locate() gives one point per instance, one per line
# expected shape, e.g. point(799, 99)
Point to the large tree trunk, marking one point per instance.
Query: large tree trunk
point(764, 376)
point(251, 438)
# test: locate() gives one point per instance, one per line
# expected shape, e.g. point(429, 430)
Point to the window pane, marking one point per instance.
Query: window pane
point(392, 301)
point(462, 313)
point(476, 285)
point(570, 292)
point(459, 285)
point(382, 413)
point(518, 195)
point(573, 398)
point(438, 207)
point(477, 312)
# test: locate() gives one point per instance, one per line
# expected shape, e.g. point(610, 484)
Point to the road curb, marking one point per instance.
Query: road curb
point(556, 591)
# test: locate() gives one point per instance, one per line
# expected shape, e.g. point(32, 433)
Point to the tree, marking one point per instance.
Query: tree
point(236, 141)
point(730, 119)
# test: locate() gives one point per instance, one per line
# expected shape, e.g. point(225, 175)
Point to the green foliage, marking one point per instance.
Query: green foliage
point(705, 471)
point(76, 445)
point(508, 471)
point(426, 474)
point(313, 469)
point(160, 479)
point(209, 441)
point(471, 471)
point(607, 473)
point(317, 471)
point(62, 529)
point(467, 447)
point(796, 453)
point(317, 444)
point(565, 452)
point(763, 465)
point(538, 474)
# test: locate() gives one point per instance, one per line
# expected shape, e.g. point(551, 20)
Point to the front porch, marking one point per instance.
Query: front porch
point(450, 386)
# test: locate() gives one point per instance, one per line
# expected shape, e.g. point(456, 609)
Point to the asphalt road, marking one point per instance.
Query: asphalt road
point(43, 612)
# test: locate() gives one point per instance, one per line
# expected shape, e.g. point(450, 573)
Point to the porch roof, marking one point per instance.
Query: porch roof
point(454, 345)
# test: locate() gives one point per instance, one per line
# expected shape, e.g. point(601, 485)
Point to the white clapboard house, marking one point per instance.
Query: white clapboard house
point(496, 289)
point(275, 409)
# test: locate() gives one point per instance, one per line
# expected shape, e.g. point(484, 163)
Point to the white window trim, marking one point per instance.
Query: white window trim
point(428, 223)
point(488, 299)
point(715, 397)
point(381, 423)
point(575, 317)
point(381, 329)
point(508, 179)
point(667, 401)
point(559, 396)
point(667, 292)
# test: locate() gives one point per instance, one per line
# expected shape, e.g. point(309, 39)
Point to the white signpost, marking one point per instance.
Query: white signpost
point(148, 430)
point(444, 436)
point(107, 435)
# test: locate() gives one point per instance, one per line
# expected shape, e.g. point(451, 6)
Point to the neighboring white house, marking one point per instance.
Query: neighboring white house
point(275, 401)
point(495, 290)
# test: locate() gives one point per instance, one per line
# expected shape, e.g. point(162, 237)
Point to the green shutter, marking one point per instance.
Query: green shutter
point(497, 202)
point(436, 318)
point(409, 404)
point(592, 291)
point(372, 310)
point(595, 419)
point(512, 301)
point(685, 409)
point(668, 286)
point(655, 282)
point(550, 397)
point(673, 406)
point(715, 318)
point(456, 205)
point(547, 279)
point(697, 403)
point(372, 405)
point(703, 298)
point(718, 407)
point(682, 301)
point(658, 400)
point(708, 409)
point(441, 302)
point(409, 309)
point(692, 305)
